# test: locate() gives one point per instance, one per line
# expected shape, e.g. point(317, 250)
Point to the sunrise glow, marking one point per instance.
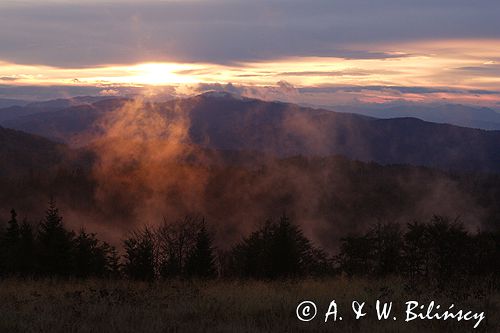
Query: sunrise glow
point(436, 63)
point(470, 65)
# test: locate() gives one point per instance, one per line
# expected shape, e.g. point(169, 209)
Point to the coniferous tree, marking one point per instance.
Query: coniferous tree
point(55, 246)
point(357, 255)
point(486, 255)
point(90, 255)
point(113, 265)
point(416, 250)
point(248, 257)
point(201, 262)
point(26, 254)
point(10, 245)
point(12, 231)
point(450, 249)
point(388, 247)
point(278, 250)
point(2, 257)
point(139, 255)
point(288, 249)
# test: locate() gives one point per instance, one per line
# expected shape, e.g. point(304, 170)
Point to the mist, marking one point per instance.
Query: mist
point(146, 168)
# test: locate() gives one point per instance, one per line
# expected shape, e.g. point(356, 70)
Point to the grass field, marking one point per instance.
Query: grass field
point(222, 306)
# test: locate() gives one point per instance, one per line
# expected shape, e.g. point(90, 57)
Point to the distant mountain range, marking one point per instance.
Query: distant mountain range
point(16, 108)
point(223, 121)
point(454, 114)
point(7, 102)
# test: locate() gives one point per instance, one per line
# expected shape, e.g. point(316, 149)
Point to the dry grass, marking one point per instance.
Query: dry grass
point(215, 306)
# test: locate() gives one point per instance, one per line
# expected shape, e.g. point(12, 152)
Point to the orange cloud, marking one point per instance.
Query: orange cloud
point(457, 64)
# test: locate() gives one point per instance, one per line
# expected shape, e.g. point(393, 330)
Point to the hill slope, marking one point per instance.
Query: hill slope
point(22, 153)
point(224, 122)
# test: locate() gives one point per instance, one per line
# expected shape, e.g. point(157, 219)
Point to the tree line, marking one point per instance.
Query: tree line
point(49, 249)
point(440, 250)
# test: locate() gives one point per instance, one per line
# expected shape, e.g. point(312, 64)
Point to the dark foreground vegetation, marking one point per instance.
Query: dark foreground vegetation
point(173, 278)
point(439, 251)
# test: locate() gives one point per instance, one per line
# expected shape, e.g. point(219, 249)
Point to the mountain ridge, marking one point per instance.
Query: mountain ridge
point(285, 129)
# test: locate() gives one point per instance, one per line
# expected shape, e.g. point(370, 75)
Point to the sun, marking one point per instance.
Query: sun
point(148, 74)
point(160, 73)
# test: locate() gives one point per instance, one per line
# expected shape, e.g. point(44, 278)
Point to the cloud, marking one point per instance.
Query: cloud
point(323, 95)
point(68, 34)
point(38, 92)
point(8, 78)
point(328, 96)
point(401, 89)
point(109, 92)
point(326, 73)
point(487, 70)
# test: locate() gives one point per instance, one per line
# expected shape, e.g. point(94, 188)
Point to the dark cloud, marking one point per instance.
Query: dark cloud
point(42, 92)
point(8, 78)
point(37, 92)
point(472, 68)
point(493, 70)
point(284, 89)
point(327, 73)
point(401, 89)
point(68, 34)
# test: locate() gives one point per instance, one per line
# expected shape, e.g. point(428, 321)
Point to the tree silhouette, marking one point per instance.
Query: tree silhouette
point(486, 247)
point(356, 255)
point(26, 254)
point(139, 255)
point(416, 250)
point(91, 256)
point(450, 248)
point(248, 257)
point(113, 265)
point(10, 245)
point(175, 243)
point(278, 250)
point(376, 253)
point(440, 252)
point(55, 247)
point(388, 244)
point(201, 260)
point(288, 248)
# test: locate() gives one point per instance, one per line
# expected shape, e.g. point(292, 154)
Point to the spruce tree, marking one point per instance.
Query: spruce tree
point(55, 244)
point(287, 248)
point(90, 255)
point(26, 255)
point(12, 232)
point(113, 265)
point(201, 262)
point(10, 245)
point(277, 250)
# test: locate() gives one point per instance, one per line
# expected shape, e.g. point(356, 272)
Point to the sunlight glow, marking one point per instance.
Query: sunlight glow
point(458, 64)
point(149, 74)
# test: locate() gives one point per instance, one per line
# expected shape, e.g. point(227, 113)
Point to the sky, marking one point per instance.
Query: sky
point(319, 52)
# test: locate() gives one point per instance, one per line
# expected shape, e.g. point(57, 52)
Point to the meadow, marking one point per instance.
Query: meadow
point(100, 305)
